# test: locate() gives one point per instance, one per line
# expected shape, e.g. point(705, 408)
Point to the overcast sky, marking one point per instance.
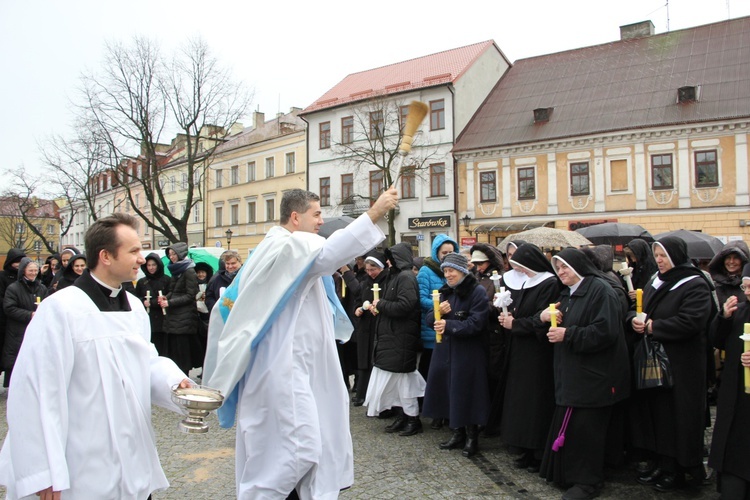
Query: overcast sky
point(290, 52)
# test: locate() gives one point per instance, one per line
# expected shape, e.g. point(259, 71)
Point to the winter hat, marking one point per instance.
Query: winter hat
point(456, 261)
point(479, 256)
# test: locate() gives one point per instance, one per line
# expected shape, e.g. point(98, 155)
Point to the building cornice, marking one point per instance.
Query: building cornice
point(621, 137)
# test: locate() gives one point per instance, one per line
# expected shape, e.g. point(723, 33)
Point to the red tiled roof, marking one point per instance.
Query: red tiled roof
point(621, 85)
point(427, 71)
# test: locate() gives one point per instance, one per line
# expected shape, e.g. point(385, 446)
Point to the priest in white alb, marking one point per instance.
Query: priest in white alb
point(79, 404)
point(272, 350)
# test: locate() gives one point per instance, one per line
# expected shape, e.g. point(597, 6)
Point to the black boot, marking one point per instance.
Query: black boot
point(399, 423)
point(457, 440)
point(472, 441)
point(413, 426)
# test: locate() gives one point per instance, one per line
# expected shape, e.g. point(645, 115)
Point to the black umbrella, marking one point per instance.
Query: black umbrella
point(615, 233)
point(700, 246)
point(332, 224)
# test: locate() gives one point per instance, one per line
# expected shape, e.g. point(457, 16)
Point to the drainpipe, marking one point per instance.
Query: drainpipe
point(307, 152)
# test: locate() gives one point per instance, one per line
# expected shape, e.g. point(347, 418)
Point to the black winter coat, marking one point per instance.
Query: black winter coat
point(18, 305)
point(182, 315)
point(8, 275)
point(591, 363)
point(731, 438)
point(457, 387)
point(680, 318)
point(153, 283)
point(365, 330)
point(529, 400)
point(67, 276)
point(397, 324)
point(218, 281)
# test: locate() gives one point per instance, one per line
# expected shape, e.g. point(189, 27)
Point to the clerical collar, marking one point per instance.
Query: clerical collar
point(113, 292)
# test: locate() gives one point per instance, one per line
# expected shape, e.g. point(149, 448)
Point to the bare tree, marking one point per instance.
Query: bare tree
point(140, 96)
point(21, 202)
point(72, 165)
point(374, 143)
point(13, 230)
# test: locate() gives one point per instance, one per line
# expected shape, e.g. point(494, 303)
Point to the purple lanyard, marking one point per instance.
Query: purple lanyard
point(560, 441)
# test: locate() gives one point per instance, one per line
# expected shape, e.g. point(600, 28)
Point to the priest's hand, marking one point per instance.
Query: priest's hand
point(186, 383)
point(48, 494)
point(385, 202)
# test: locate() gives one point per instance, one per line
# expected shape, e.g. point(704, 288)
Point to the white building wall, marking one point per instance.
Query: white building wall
point(437, 144)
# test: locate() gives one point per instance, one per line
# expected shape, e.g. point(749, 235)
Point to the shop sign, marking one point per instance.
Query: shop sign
point(468, 242)
point(429, 222)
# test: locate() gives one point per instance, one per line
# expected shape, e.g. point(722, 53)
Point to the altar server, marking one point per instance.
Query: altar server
point(79, 409)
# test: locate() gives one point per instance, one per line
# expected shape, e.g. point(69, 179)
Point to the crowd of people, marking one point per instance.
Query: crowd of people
point(178, 304)
point(539, 350)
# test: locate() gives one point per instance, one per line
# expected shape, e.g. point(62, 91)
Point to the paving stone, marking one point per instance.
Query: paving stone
point(201, 466)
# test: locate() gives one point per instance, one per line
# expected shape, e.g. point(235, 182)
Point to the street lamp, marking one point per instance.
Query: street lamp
point(229, 239)
point(467, 222)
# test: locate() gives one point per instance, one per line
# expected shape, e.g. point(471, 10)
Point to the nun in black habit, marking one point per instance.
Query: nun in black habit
point(529, 399)
point(591, 374)
point(678, 306)
point(731, 438)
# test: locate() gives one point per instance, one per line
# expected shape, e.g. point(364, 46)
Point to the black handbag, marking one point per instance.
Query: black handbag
point(651, 365)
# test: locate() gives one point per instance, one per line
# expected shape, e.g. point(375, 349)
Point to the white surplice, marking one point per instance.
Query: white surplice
point(293, 411)
point(79, 404)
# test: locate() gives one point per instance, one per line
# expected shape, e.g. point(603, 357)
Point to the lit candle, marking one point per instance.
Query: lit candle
point(375, 291)
point(163, 310)
point(38, 300)
point(553, 315)
point(639, 301)
point(436, 308)
point(148, 297)
point(746, 339)
point(343, 288)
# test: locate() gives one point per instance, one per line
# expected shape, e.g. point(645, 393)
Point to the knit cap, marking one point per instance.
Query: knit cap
point(479, 256)
point(456, 261)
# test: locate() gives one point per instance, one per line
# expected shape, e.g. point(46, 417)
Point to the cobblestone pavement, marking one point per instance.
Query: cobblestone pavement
point(201, 466)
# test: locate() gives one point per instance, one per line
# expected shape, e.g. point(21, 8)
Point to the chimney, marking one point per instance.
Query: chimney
point(636, 30)
point(258, 119)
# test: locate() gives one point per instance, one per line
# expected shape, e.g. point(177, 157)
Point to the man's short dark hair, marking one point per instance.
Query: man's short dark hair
point(296, 200)
point(102, 235)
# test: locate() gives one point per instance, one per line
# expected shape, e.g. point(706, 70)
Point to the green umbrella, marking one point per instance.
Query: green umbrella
point(209, 255)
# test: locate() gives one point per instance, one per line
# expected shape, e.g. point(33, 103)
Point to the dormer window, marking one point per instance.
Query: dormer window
point(541, 115)
point(687, 94)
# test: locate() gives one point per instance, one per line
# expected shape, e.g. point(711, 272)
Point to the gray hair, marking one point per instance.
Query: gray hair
point(230, 254)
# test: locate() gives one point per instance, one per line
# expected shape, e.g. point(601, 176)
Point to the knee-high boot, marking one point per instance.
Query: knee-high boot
point(472, 441)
